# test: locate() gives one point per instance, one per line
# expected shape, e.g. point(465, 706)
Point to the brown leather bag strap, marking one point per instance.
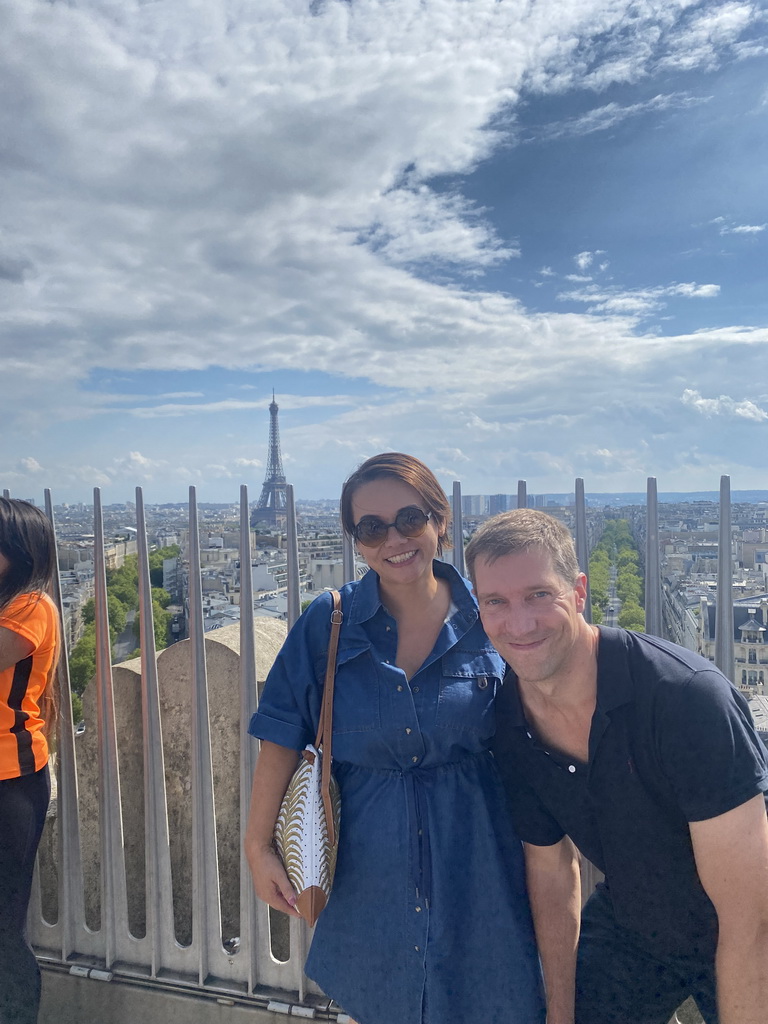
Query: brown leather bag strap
point(324, 736)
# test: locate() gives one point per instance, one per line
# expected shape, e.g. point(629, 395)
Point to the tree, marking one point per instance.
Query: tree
point(82, 660)
point(77, 708)
point(156, 559)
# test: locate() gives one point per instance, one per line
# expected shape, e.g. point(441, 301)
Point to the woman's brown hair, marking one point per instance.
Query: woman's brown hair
point(409, 470)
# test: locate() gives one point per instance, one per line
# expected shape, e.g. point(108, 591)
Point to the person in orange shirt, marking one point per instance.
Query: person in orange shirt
point(29, 649)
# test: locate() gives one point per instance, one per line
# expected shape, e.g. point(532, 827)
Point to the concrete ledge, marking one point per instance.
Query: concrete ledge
point(68, 999)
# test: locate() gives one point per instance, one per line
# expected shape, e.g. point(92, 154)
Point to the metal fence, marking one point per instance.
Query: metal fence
point(247, 969)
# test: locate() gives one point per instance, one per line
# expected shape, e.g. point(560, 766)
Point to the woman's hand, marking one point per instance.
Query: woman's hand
point(274, 769)
point(270, 880)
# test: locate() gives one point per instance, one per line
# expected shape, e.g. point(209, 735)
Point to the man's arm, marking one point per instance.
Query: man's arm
point(554, 889)
point(731, 854)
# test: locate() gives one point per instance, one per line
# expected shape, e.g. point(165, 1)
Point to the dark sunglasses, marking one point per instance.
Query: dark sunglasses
point(372, 531)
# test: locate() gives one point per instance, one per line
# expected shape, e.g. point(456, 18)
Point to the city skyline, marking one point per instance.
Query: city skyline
point(520, 241)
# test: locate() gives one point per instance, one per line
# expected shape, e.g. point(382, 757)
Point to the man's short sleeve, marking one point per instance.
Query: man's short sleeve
point(289, 707)
point(709, 749)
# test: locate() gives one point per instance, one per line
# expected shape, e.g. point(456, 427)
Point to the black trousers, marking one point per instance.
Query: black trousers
point(620, 981)
point(23, 804)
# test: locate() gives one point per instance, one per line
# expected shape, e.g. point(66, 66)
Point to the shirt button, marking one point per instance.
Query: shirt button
point(415, 689)
point(417, 949)
point(399, 689)
point(482, 682)
point(386, 661)
point(571, 768)
point(389, 628)
point(529, 736)
point(407, 732)
point(414, 759)
point(418, 910)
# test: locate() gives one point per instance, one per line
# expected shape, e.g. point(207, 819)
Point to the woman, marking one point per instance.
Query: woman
point(428, 921)
point(29, 639)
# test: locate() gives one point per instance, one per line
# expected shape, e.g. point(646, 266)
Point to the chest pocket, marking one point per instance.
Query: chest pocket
point(468, 686)
point(356, 701)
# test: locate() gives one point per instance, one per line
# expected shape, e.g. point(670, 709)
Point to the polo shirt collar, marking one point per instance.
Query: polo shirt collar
point(614, 675)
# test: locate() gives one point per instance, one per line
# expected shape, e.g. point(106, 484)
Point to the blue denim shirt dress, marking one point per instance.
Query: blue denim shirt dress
point(428, 921)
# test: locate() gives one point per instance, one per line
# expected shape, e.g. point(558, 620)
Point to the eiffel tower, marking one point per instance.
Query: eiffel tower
point(271, 505)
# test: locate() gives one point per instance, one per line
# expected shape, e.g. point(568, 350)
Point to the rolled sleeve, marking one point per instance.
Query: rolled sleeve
point(716, 762)
point(289, 707)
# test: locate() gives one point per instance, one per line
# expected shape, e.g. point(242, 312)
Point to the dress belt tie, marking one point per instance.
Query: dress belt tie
point(418, 831)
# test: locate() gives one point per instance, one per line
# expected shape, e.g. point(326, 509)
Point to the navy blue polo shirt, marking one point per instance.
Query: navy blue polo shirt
point(671, 742)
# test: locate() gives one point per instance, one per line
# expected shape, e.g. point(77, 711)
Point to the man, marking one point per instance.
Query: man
point(643, 756)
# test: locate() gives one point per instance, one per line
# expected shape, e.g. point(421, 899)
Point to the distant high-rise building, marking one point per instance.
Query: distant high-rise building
point(540, 500)
point(474, 505)
point(271, 505)
point(497, 503)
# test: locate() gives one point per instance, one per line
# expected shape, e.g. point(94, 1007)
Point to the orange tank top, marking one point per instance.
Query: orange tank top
point(23, 747)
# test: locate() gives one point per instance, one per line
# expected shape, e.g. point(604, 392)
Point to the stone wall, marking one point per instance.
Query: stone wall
point(175, 680)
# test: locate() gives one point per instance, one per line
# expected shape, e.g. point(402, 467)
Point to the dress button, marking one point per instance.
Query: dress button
point(571, 768)
point(399, 689)
point(415, 689)
point(414, 759)
point(407, 732)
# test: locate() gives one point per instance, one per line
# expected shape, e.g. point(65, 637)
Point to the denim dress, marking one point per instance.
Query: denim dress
point(428, 921)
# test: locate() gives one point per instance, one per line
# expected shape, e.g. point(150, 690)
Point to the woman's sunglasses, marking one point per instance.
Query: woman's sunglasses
point(372, 531)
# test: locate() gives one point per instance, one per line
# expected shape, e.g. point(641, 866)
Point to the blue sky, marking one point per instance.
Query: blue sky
point(520, 241)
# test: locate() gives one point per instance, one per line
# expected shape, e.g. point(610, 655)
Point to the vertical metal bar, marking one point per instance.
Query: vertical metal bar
point(458, 529)
point(292, 557)
point(724, 609)
point(249, 930)
point(71, 894)
point(522, 494)
point(206, 904)
point(157, 856)
point(653, 623)
point(114, 904)
point(347, 557)
point(582, 545)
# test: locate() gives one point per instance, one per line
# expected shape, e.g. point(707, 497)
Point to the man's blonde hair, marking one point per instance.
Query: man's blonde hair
point(520, 530)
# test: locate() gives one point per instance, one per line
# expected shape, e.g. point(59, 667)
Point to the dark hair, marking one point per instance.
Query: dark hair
point(27, 541)
point(520, 530)
point(409, 470)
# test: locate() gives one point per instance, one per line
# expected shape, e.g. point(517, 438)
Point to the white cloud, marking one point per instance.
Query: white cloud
point(638, 302)
point(744, 229)
point(724, 405)
point(607, 117)
point(30, 465)
point(247, 186)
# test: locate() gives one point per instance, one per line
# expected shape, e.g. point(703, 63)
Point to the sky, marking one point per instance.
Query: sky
point(520, 240)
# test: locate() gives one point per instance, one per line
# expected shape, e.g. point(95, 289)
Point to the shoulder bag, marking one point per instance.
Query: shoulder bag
point(307, 827)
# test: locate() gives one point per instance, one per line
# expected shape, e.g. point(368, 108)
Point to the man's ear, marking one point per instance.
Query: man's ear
point(580, 589)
